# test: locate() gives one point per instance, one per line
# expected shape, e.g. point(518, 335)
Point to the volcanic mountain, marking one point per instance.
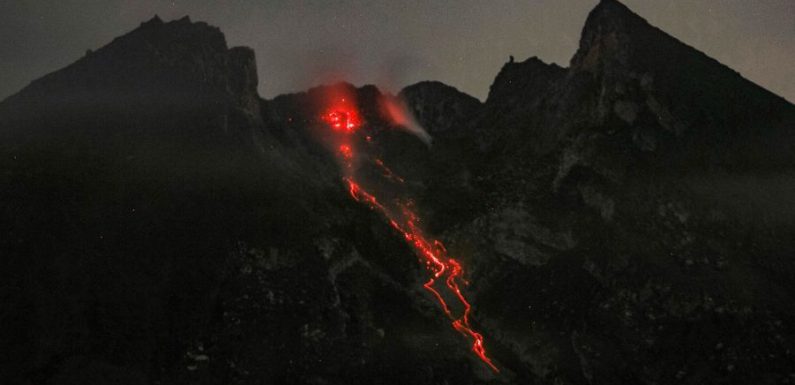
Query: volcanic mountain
point(627, 219)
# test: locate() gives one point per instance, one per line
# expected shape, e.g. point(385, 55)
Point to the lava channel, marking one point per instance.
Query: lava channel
point(443, 268)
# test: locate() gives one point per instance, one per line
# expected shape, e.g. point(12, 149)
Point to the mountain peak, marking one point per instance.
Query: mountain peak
point(611, 3)
point(614, 9)
point(608, 34)
point(438, 106)
point(433, 86)
point(170, 62)
point(156, 20)
point(524, 78)
point(666, 97)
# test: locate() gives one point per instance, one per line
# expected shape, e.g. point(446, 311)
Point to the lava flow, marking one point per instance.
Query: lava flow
point(402, 217)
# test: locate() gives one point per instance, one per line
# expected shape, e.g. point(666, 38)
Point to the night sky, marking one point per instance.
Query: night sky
point(394, 43)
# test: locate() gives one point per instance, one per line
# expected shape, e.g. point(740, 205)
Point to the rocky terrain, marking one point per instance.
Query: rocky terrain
point(627, 219)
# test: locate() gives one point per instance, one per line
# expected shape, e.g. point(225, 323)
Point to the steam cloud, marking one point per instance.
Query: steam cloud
point(402, 116)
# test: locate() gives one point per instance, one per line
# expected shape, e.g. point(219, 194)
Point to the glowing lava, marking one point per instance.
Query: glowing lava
point(343, 118)
point(443, 269)
point(346, 152)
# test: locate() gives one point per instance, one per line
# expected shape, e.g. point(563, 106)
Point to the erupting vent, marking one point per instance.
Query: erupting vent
point(446, 273)
point(343, 119)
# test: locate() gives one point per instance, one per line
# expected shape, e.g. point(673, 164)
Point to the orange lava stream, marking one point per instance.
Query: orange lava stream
point(432, 253)
point(436, 260)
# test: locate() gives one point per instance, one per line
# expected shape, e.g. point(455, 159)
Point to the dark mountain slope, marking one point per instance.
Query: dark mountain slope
point(696, 111)
point(438, 106)
point(158, 228)
point(631, 81)
point(641, 201)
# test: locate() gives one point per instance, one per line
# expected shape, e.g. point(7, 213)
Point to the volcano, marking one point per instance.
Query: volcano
point(625, 219)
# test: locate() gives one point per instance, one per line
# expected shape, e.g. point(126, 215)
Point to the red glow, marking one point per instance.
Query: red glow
point(342, 119)
point(443, 269)
point(388, 172)
point(346, 152)
point(339, 108)
point(396, 111)
point(436, 260)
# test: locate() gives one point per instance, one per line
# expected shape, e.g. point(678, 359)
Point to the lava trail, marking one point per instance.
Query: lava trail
point(445, 271)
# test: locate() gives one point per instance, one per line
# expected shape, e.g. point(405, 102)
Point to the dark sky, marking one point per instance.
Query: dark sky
point(394, 43)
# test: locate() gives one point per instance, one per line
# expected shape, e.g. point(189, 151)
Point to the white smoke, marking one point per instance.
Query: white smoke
point(401, 115)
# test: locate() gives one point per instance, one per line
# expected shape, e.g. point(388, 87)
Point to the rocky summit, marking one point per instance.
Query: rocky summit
point(627, 219)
